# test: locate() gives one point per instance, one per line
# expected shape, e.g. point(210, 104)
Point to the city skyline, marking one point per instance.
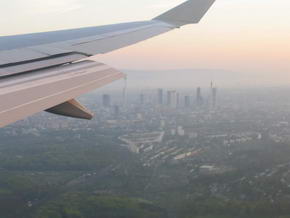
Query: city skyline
point(196, 123)
point(202, 97)
point(238, 152)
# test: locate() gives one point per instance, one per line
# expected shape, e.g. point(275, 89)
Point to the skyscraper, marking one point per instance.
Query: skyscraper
point(187, 101)
point(124, 95)
point(142, 99)
point(177, 99)
point(172, 98)
point(168, 98)
point(116, 111)
point(199, 99)
point(160, 96)
point(214, 96)
point(106, 100)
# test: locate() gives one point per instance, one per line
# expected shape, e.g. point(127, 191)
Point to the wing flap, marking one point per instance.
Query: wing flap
point(71, 108)
point(37, 64)
point(35, 92)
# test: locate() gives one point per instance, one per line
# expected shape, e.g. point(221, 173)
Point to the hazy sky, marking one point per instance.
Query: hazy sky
point(238, 35)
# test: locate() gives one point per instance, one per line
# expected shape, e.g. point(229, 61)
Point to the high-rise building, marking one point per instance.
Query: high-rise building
point(116, 111)
point(186, 101)
point(172, 98)
point(142, 99)
point(177, 99)
point(160, 96)
point(168, 98)
point(106, 100)
point(124, 95)
point(214, 96)
point(199, 99)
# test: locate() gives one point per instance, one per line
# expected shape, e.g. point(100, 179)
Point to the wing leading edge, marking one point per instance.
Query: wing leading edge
point(24, 59)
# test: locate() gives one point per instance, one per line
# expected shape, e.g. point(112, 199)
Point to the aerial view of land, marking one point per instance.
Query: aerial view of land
point(200, 153)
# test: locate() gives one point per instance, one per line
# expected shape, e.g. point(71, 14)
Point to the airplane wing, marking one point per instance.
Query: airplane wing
point(46, 71)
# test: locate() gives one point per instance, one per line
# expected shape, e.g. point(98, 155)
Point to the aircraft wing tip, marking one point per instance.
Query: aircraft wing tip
point(189, 12)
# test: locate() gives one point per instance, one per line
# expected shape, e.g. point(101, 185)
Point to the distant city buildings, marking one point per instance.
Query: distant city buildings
point(172, 99)
point(187, 101)
point(186, 144)
point(106, 100)
point(213, 96)
point(160, 96)
point(116, 111)
point(177, 100)
point(168, 98)
point(199, 99)
point(142, 99)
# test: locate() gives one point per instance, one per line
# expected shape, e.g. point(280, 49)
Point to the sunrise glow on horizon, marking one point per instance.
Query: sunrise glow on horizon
point(241, 35)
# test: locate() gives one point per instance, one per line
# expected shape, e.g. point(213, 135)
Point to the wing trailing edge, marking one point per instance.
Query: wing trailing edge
point(28, 94)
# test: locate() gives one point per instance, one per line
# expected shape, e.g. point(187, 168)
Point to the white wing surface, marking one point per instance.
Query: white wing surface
point(45, 71)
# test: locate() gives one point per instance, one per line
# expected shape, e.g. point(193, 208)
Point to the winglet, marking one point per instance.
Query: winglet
point(187, 13)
